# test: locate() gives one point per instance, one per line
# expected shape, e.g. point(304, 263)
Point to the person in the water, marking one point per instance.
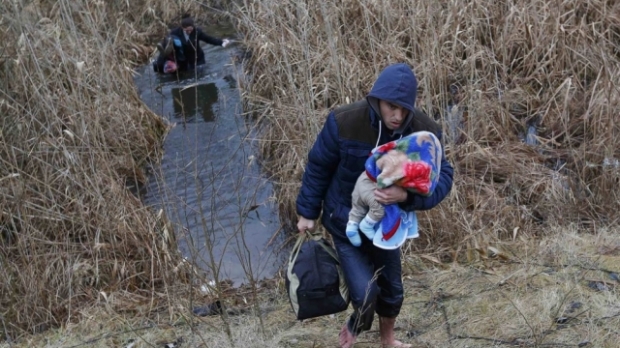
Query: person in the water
point(186, 53)
point(170, 54)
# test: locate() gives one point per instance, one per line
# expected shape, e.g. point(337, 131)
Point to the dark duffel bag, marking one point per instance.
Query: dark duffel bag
point(314, 279)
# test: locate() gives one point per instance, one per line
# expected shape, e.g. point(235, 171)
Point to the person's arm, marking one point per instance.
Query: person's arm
point(444, 186)
point(201, 36)
point(323, 160)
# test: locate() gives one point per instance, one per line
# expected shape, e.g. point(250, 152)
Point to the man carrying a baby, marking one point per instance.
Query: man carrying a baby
point(335, 162)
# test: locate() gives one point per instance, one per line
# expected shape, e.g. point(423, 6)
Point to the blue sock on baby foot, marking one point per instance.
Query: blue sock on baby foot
point(353, 233)
point(368, 227)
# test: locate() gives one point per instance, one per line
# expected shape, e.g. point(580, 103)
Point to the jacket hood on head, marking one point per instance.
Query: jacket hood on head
point(398, 85)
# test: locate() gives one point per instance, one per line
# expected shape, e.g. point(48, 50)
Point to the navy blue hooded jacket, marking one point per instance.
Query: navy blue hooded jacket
point(349, 134)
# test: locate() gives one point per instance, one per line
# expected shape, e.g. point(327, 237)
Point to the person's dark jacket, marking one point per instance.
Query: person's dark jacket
point(168, 50)
point(349, 134)
point(194, 55)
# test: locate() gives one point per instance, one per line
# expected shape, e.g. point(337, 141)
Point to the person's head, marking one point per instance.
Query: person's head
point(392, 114)
point(187, 23)
point(393, 96)
point(170, 67)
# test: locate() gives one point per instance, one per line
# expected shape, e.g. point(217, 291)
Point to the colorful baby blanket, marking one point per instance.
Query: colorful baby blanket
point(412, 162)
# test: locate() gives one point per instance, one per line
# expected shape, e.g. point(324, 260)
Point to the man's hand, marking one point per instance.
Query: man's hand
point(305, 225)
point(225, 42)
point(390, 195)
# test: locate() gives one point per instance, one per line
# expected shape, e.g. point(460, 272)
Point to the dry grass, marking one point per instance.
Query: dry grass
point(556, 291)
point(72, 132)
point(504, 66)
point(75, 244)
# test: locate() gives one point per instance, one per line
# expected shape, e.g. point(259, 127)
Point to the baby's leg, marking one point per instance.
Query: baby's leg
point(358, 211)
point(375, 209)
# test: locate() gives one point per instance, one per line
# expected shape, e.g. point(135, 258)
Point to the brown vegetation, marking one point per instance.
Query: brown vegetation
point(72, 132)
point(488, 72)
point(555, 291)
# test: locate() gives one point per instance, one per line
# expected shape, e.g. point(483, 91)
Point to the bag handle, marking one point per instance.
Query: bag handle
point(302, 237)
point(329, 250)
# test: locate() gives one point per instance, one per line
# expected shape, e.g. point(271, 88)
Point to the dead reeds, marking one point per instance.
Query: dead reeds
point(72, 132)
point(494, 75)
point(72, 129)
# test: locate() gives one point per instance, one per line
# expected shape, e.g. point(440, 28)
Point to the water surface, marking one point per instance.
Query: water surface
point(208, 182)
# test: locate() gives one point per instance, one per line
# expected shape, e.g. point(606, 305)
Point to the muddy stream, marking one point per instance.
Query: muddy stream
point(208, 182)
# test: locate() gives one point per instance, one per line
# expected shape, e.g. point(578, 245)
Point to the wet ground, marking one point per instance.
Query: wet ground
point(208, 182)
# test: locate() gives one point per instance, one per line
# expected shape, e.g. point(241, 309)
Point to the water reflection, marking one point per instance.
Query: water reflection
point(195, 100)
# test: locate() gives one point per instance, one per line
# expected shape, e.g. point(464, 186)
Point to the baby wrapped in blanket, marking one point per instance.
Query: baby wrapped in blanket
point(412, 162)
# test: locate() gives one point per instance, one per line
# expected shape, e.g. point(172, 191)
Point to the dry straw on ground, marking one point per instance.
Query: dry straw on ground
point(488, 72)
point(552, 292)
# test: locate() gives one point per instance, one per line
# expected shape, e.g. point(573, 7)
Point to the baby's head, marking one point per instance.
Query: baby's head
point(392, 166)
point(413, 166)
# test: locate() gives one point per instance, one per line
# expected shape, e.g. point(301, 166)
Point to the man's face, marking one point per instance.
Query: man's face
point(393, 115)
point(188, 30)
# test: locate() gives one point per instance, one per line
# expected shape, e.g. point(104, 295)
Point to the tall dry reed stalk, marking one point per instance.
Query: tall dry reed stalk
point(72, 131)
point(493, 74)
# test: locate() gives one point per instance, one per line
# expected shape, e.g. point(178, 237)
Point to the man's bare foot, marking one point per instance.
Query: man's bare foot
point(395, 344)
point(346, 337)
point(386, 328)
